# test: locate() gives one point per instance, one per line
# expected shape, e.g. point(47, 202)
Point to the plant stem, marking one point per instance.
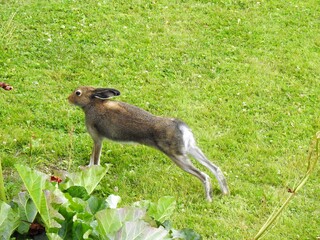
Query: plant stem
point(70, 148)
point(2, 190)
point(311, 166)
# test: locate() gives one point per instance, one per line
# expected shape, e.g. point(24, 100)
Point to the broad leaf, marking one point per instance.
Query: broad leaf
point(131, 214)
point(38, 187)
point(78, 192)
point(27, 211)
point(108, 222)
point(111, 220)
point(54, 199)
point(79, 230)
point(144, 204)
point(88, 177)
point(9, 220)
point(53, 236)
point(136, 230)
point(112, 201)
point(77, 205)
point(96, 204)
point(187, 234)
point(163, 210)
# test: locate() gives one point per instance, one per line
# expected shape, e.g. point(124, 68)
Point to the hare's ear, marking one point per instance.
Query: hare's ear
point(105, 93)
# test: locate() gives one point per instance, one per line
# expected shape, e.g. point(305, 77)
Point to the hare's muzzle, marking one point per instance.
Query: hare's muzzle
point(70, 99)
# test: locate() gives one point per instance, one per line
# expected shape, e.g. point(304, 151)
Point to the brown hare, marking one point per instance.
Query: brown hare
point(119, 121)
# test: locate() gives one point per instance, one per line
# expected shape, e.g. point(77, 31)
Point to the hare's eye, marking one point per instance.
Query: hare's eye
point(78, 93)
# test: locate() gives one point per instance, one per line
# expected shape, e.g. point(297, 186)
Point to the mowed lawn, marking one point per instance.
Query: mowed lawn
point(244, 75)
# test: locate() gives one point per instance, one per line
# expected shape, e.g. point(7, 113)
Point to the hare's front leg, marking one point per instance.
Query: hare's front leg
point(96, 151)
point(97, 145)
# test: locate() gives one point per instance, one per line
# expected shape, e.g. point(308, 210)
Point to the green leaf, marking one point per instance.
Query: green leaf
point(53, 236)
point(163, 209)
point(167, 224)
point(38, 187)
point(135, 230)
point(88, 178)
point(112, 201)
point(145, 204)
point(30, 210)
point(54, 200)
point(66, 225)
point(78, 192)
point(27, 211)
point(77, 217)
point(9, 220)
point(79, 229)
point(187, 234)
point(131, 214)
point(96, 204)
point(108, 221)
point(76, 204)
point(111, 220)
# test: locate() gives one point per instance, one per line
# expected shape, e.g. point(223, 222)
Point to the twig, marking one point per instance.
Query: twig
point(313, 150)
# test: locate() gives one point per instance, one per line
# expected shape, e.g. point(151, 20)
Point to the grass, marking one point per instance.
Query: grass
point(312, 159)
point(243, 74)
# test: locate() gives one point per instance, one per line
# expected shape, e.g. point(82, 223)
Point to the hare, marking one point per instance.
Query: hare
point(119, 121)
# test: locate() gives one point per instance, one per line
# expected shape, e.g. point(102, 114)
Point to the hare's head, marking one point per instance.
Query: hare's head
point(84, 96)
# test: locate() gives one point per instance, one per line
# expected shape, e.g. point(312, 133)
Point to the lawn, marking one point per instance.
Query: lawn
point(244, 75)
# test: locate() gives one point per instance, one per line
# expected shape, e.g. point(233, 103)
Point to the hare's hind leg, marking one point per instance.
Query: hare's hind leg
point(190, 147)
point(184, 163)
point(198, 155)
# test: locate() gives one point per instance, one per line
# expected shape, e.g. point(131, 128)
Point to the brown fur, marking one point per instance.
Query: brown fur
point(122, 122)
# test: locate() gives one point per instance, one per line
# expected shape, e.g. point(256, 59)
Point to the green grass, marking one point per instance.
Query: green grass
point(244, 75)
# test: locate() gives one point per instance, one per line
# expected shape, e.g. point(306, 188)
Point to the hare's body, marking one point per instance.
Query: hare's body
point(122, 122)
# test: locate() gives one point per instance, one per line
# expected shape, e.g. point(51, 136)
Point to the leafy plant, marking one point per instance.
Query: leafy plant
point(63, 208)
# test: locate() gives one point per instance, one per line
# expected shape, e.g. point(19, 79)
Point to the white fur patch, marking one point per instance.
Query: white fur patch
point(188, 138)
